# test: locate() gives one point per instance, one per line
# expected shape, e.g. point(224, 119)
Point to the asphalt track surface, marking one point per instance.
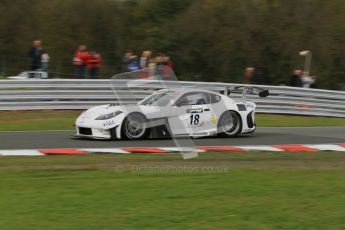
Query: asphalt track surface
point(263, 136)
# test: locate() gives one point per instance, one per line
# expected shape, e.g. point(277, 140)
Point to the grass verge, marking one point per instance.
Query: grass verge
point(215, 191)
point(64, 120)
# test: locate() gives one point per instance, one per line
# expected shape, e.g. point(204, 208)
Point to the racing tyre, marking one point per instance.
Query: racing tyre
point(229, 124)
point(134, 127)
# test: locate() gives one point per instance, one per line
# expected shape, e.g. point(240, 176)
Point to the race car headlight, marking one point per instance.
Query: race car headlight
point(109, 115)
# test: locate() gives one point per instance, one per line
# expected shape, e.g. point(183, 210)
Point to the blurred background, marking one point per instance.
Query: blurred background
point(206, 40)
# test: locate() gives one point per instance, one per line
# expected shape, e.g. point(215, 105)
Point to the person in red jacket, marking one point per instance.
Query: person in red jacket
point(80, 60)
point(94, 63)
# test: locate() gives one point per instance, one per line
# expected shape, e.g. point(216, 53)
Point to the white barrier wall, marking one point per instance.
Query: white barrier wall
point(82, 94)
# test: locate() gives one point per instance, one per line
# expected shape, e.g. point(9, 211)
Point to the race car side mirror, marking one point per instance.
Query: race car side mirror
point(226, 91)
point(264, 93)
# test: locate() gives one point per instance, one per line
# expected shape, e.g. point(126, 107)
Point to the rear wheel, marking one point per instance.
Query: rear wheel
point(134, 127)
point(229, 124)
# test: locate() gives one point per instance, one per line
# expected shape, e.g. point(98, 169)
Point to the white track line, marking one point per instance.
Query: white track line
point(259, 148)
point(327, 147)
point(28, 152)
point(184, 149)
point(106, 150)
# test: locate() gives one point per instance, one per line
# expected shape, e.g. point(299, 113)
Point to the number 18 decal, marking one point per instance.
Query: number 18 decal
point(194, 119)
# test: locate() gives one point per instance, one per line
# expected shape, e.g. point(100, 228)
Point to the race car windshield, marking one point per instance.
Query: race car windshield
point(159, 99)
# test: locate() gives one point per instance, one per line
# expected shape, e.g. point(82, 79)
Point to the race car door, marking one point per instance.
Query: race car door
point(195, 116)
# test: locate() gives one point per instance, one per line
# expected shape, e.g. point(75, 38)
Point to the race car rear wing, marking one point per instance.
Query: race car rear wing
point(245, 90)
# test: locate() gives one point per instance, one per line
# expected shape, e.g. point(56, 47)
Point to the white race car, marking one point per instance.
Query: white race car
point(172, 112)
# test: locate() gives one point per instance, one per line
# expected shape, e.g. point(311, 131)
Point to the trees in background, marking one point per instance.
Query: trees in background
point(209, 40)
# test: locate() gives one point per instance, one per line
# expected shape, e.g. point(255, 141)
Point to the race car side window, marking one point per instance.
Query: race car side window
point(195, 98)
point(214, 98)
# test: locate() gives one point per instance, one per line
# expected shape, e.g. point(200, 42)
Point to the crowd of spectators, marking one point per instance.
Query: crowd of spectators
point(132, 62)
point(298, 78)
point(303, 79)
point(89, 61)
point(85, 59)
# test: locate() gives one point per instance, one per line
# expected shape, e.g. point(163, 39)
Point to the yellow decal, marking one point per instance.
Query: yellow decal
point(213, 119)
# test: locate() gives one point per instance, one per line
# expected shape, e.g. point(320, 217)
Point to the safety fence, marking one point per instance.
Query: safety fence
point(82, 94)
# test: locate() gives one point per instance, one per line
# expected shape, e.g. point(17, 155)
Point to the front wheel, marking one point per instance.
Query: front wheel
point(229, 124)
point(134, 127)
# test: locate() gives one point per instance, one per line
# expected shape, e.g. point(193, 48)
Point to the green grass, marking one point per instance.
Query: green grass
point(37, 120)
point(252, 191)
point(64, 120)
point(270, 120)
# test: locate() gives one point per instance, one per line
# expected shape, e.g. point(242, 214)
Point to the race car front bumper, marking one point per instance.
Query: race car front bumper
point(92, 133)
point(89, 127)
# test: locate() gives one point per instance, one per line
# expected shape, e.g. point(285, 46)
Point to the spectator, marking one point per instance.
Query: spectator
point(296, 80)
point(165, 67)
point(133, 64)
point(79, 61)
point(160, 59)
point(152, 63)
point(168, 62)
point(130, 60)
point(45, 60)
point(126, 59)
point(94, 63)
point(248, 75)
point(151, 67)
point(307, 79)
point(144, 59)
point(168, 74)
point(35, 55)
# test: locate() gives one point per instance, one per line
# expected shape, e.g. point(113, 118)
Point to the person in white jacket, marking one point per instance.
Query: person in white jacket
point(45, 61)
point(307, 80)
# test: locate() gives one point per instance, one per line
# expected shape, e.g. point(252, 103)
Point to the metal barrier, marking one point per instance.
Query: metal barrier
point(82, 94)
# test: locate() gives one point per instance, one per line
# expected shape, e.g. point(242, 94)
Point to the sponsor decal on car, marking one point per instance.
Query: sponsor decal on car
point(198, 110)
point(108, 123)
point(250, 106)
point(213, 119)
